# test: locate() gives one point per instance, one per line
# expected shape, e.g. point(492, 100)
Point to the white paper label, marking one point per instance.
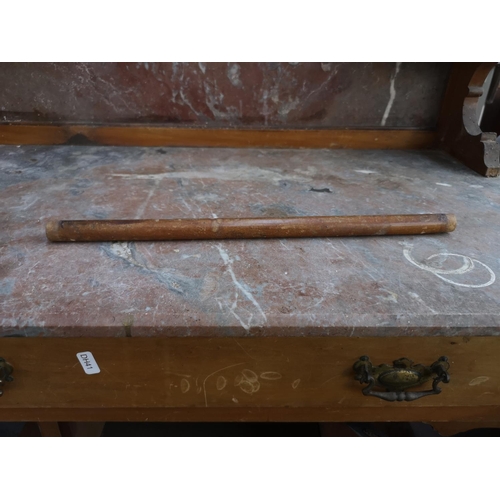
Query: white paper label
point(90, 367)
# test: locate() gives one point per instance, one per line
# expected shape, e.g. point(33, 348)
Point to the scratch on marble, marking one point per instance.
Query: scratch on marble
point(214, 100)
point(242, 173)
point(244, 290)
point(421, 302)
point(284, 245)
point(142, 208)
point(176, 283)
point(232, 308)
point(185, 100)
point(392, 92)
point(286, 107)
point(469, 264)
point(191, 211)
point(338, 253)
point(233, 73)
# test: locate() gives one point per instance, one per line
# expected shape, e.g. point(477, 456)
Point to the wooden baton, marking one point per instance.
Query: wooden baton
point(215, 229)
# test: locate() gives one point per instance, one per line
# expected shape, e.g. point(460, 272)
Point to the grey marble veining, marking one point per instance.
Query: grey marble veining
point(401, 285)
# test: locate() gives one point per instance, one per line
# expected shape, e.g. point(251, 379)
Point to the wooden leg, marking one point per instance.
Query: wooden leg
point(49, 429)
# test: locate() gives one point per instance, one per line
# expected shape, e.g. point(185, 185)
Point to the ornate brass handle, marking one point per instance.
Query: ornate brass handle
point(402, 375)
point(6, 370)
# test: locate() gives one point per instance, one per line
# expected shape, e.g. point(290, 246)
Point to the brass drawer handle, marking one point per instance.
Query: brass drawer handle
point(402, 375)
point(6, 370)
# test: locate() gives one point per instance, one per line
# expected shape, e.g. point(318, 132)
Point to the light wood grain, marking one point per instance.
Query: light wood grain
point(260, 379)
point(140, 135)
point(245, 228)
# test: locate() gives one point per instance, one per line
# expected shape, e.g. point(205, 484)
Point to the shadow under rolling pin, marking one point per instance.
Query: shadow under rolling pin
point(215, 229)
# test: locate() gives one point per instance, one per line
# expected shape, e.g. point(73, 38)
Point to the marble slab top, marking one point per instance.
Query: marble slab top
point(447, 284)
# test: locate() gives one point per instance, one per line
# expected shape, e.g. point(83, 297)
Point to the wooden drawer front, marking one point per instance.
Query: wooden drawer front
point(301, 379)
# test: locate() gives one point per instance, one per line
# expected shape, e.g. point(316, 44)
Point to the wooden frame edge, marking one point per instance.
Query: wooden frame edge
point(157, 136)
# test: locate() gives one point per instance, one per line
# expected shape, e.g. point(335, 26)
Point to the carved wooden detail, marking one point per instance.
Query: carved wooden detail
point(460, 128)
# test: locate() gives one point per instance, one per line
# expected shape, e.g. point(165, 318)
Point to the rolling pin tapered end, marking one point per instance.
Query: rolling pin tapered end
point(451, 222)
point(52, 230)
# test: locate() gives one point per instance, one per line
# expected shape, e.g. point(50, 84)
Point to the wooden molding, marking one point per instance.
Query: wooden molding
point(458, 129)
point(140, 135)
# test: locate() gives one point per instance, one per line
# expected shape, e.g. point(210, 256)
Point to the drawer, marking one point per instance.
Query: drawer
point(251, 379)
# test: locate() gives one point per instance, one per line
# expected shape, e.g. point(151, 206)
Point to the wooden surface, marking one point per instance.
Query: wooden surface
point(225, 95)
point(391, 286)
point(300, 379)
point(247, 228)
point(141, 135)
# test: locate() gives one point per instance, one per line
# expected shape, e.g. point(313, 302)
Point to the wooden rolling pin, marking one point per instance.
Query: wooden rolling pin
point(215, 229)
